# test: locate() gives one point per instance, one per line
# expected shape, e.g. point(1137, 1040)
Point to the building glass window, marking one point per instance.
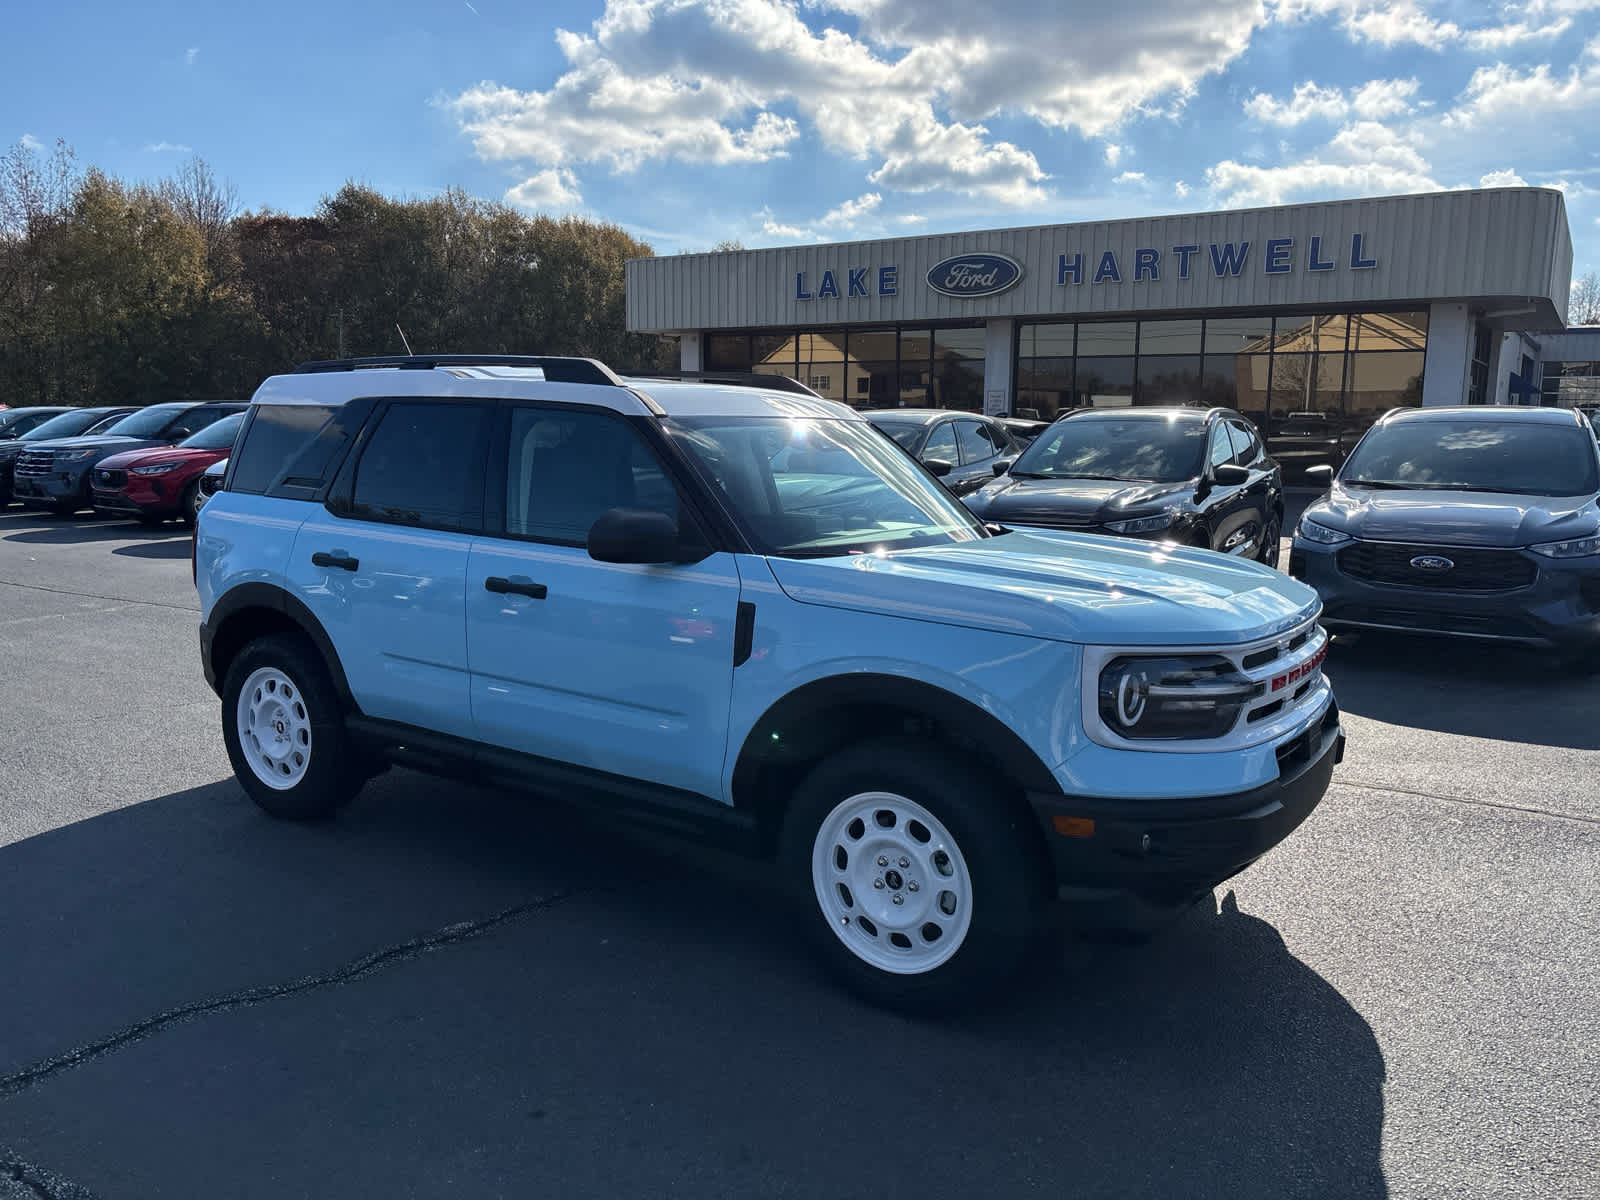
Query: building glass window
point(1169, 337)
point(872, 357)
point(1482, 351)
point(822, 366)
point(1567, 384)
point(1104, 383)
point(1238, 335)
point(1389, 331)
point(1169, 379)
point(1046, 341)
point(958, 358)
point(728, 352)
point(1318, 333)
point(1044, 387)
point(1377, 383)
point(774, 354)
point(1107, 337)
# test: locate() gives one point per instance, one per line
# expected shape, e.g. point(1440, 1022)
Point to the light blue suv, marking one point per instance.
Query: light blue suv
point(746, 615)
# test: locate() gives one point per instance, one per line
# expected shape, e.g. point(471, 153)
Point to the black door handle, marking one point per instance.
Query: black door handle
point(337, 559)
point(514, 587)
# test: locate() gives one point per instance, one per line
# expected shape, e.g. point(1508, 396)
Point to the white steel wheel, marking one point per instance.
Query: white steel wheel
point(892, 883)
point(274, 728)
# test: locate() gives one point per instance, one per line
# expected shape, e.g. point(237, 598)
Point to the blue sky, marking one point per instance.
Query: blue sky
point(775, 121)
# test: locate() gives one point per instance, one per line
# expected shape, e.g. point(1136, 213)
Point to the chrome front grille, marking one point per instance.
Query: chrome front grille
point(32, 463)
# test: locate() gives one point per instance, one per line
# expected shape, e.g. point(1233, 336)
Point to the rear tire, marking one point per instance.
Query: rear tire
point(1271, 542)
point(284, 729)
point(902, 817)
point(189, 506)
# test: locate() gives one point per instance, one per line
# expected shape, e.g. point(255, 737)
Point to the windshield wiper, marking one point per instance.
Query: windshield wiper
point(1382, 483)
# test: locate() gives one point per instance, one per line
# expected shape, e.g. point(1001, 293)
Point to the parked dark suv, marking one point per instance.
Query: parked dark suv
point(71, 422)
point(57, 474)
point(1193, 476)
point(959, 447)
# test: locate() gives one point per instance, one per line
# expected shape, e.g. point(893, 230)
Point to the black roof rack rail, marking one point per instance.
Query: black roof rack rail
point(774, 383)
point(556, 368)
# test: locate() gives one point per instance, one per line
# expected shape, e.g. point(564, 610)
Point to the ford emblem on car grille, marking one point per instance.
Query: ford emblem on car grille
point(970, 276)
point(1432, 562)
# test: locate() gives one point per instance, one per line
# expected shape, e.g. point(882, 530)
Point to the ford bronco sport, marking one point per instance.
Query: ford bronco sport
point(745, 614)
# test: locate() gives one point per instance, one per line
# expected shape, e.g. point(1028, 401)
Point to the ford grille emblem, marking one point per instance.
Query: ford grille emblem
point(1432, 562)
point(971, 276)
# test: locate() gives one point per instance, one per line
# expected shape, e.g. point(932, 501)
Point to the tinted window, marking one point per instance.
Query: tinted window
point(1524, 458)
point(218, 435)
point(71, 424)
point(423, 465)
point(279, 433)
point(1161, 449)
point(566, 468)
point(18, 422)
point(942, 444)
point(974, 440)
point(147, 422)
point(1246, 446)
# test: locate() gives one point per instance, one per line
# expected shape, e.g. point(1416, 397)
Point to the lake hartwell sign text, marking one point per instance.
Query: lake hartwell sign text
point(1225, 260)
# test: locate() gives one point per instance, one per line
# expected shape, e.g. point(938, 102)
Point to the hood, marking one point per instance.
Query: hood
point(1067, 587)
point(164, 454)
point(104, 441)
point(1075, 501)
point(1455, 518)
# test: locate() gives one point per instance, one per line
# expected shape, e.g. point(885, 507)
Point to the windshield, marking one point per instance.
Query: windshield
point(17, 416)
point(1154, 449)
point(68, 424)
point(907, 433)
point(1522, 458)
point(814, 488)
point(217, 436)
point(147, 422)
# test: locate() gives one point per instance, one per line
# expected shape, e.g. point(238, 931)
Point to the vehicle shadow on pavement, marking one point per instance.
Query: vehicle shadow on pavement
point(65, 531)
point(445, 992)
point(173, 548)
point(1501, 692)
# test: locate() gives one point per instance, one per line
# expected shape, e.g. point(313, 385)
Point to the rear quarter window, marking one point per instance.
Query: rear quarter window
point(289, 450)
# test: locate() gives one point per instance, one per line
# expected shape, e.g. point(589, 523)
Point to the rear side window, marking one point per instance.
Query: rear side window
point(1247, 447)
point(423, 465)
point(288, 449)
point(975, 441)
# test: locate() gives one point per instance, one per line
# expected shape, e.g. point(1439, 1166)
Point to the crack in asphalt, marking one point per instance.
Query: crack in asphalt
point(45, 1185)
point(450, 935)
point(1522, 808)
point(34, 587)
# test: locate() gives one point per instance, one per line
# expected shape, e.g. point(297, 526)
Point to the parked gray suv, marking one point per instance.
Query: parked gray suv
point(1475, 522)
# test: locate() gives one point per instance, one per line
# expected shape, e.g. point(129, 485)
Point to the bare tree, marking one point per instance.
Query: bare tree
point(1583, 303)
point(35, 190)
point(207, 204)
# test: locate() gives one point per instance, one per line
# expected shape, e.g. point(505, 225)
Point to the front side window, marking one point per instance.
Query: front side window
point(941, 445)
point(1221, 450)
point(567, 467)
point(973, 439)
point(1156, 449)
point(423, 466)
point(1528, 459)
point(1246, 446)
point(803, 488)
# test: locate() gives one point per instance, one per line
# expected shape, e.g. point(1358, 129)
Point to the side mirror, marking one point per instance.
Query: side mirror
point(1003, 465)
point(1322, 473)
point(1231, 474)
point(632, 535)
point(939, 466)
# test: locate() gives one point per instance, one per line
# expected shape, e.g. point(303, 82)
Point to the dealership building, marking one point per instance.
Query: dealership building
point(1330, 312)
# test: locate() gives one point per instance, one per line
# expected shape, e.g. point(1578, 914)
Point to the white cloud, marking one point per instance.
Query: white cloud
point(1374, 99)
point(1363, 159)
point(1130, 177)
point(1113, 154)
point(851, 211)
point(1410, 22)
point(1181, 188)
point(190, 55)
point(1500, 37)
point(725, 82)
point(168, 148)
point(910, 219)
point(29, 142)
point(1506, 178)
point(553, 189)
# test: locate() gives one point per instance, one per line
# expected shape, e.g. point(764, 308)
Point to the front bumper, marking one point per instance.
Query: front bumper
point(55, 488)
point(1171, 851)
point(1559, 610)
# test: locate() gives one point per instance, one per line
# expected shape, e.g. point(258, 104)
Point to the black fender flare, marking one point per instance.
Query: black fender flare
point(222, 632)
point(811, 702)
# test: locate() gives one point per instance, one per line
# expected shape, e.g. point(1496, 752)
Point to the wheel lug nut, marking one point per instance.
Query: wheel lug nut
point(882, 861)
point(877, 883)
point(913, 886)
point(899, 899)
point(904, 863)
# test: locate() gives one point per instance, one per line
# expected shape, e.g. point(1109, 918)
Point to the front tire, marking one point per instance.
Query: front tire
point(1271, 541)
point(922, 882)
point(284, 730)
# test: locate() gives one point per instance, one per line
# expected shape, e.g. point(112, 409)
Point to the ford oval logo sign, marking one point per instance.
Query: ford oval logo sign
point(971, 276)
point(1432, 562)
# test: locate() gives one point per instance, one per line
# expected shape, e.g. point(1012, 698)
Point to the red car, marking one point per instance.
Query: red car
point(156, 484)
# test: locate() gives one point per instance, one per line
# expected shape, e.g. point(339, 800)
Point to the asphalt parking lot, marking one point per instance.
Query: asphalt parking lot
point(450, 993)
